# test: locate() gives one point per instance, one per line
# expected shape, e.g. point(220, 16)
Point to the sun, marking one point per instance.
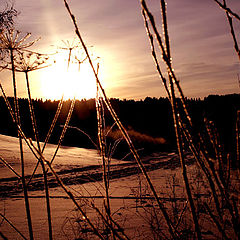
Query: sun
point(68, 81)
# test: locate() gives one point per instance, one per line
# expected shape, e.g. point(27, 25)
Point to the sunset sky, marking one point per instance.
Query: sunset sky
point(202, 48)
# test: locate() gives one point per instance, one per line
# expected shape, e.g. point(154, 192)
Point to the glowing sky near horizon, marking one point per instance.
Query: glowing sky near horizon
point(202, 48)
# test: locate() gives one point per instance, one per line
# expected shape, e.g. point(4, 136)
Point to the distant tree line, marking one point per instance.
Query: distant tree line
point(148, 121)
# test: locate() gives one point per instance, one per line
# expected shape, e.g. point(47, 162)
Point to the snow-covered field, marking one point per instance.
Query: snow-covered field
point(80, 169)
point(67, 157)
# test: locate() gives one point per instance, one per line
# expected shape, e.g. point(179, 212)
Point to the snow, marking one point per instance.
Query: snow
point(131, 201)
point(67, 157)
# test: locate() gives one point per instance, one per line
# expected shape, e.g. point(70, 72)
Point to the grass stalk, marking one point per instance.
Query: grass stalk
point(167, 58)
point(205, 170)
point(110, 225)
point(9, 167)
point(71, 196)
point(35, 130)
point(228, 10)
point(102, 147)
point(154, 55)
point(60, 104)
point(84, 133)
point(32, 114)
point(202, 149)
point(238, 141)
point(20, 131)
point(120, 229)
point(182, 160)
point(64, 128)
point(17, 117)
point(214, 139)
point(3, 236)
point(120, 126)
point(39, 156)
point(218, 225)
point(230, 21)
point(11, 224)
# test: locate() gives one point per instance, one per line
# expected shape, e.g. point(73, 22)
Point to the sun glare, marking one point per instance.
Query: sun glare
point(73, 81)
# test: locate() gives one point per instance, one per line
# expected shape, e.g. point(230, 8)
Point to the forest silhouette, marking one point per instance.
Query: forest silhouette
point(149, 122)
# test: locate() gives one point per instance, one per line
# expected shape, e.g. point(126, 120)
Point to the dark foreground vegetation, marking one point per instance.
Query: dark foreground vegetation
point(206, 128)
point(149, 121)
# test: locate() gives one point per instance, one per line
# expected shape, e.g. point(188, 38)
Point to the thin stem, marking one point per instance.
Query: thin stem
point(39, 155)
point(120, 126)
point(47, 197)
point(201, 164)
point(17, 118)
point(34, 125)
point(81, 131)
point(182, 160)
point(33, 118)
point(167, 58)
point(102, 147)
point(13, 226)
point(238, 140)
point(219, 227)
point(64, 128)
point(3, 236)
point(60, 104)
point(9, 167)
point(70, 195)
point(230, 21)
point(154, 55)
point(109, 225)
point(228, 10)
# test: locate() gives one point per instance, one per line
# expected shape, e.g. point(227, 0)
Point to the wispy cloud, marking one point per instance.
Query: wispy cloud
point(202, 47)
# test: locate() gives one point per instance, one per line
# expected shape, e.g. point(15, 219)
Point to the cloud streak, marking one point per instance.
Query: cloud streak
point(202, 47)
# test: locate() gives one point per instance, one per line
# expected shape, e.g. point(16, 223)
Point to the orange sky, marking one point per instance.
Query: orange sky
point(202, 48)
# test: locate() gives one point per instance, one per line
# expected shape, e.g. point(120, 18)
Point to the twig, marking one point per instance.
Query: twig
point(109, 225)
point(228, 10)
point(167, 58)
point(64, 128)
point(3, 236)
point(17, 117)
point(221, 230)
point(9, 167)
point(119, 124)
point(60, 104)
point(232, 30)
point(13, 226)
point(238, 140)
point(35, 130)
point(80, 130)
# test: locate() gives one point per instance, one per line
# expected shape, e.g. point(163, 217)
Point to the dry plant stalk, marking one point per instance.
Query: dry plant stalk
point(64, 128)
point(102, 147)
point(167, 58)
point(205, 164)
point(39, 155)
point(182, 129)
point(4, 217)
point(25, 65)
point(238, 140)
point(27, 61)
point(12, 42)
point(9, 167)
point(59, 107)
point(177, 121)
point(230, 21)
point(120, 126)
point(228, 10)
